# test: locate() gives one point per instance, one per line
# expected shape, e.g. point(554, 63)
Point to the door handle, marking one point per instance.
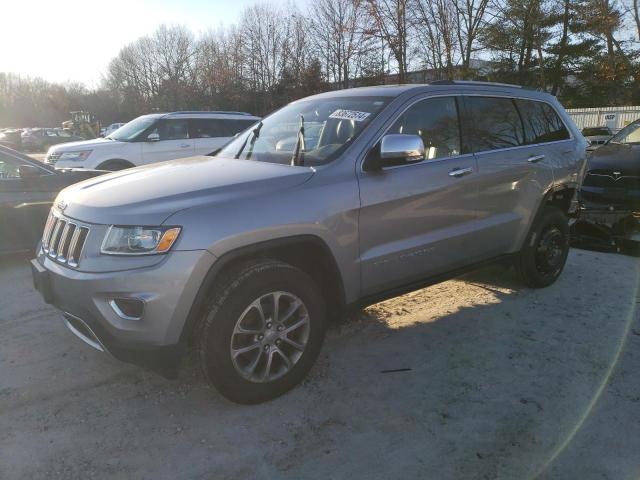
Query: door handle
point(459, 172)
point(535, 158)
point(184, 145)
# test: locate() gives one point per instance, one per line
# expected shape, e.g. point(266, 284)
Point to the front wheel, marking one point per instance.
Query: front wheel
point(544, 255)
point(262, 332)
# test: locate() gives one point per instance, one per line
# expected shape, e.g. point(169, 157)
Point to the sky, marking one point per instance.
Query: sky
point(73, 40)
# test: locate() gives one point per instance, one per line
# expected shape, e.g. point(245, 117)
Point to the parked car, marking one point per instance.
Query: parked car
point(153, 138)
point(597, 136)
point(104, 132)
point(11, 138)
point(246, 255)
point(610, 195)
point(27, 191)
point(40, 139)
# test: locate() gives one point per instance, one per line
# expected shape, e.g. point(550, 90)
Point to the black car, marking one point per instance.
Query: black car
point(610, 194)
point(27, 190)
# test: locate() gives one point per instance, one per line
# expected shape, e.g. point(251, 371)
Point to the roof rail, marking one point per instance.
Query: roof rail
point(474, 82)
point(192, 112)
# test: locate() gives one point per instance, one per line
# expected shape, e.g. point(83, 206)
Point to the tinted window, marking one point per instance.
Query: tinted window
point(436, 121)
point(238, 126)
point(541, 122)
point(209, 128)
point(494, 124)
point(173, 129)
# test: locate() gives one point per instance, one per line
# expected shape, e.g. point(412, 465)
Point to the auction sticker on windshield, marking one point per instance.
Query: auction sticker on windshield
point(350, 115)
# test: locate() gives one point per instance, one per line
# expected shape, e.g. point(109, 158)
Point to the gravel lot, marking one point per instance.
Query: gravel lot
point(504, 382)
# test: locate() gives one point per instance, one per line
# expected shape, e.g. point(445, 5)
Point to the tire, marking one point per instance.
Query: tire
point(114, 165)
point(248, 377)
point(545, 252)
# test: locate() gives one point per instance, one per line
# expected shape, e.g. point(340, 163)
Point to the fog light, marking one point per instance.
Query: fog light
point(128, 308)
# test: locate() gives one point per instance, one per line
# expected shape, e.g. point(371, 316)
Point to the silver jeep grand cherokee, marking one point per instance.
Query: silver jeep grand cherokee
point(333, 202)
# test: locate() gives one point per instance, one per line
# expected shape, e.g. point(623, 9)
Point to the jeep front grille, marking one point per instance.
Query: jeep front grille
point(63, 240)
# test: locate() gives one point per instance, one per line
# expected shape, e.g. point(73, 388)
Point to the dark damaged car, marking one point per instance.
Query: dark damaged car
point(610, 197)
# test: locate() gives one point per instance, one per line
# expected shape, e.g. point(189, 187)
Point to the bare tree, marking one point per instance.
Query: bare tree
point(436, 23)
point(636, 15)
point(470, 16)
point(338, 28)
point(390, 18)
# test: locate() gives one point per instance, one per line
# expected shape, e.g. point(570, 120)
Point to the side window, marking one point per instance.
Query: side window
point(9, 168)
point(209, 128)
point(494, 124)
point(541, 122)
point(173, 129)
point(436, 121)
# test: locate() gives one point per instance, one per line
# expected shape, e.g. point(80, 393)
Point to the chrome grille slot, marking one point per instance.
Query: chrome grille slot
point(55, 238)
point(48, 228)
point(63, 240)
point(76, 246)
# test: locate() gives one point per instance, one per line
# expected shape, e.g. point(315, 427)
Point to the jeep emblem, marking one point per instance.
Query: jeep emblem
point(61, 205)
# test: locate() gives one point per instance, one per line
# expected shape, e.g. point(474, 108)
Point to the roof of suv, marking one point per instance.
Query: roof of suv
point(397, 90)
point(210, 114)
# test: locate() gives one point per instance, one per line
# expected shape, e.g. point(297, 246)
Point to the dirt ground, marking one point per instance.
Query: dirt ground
point(497, 381)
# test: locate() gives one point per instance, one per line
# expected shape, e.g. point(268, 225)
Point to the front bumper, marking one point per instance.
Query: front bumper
point(167, 289)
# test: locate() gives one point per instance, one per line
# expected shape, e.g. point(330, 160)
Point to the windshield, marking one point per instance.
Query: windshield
point(629, 134)
point(315, 131)
point(129, 131)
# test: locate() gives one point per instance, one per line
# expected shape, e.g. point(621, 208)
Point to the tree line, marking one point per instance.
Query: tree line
point(584, 51)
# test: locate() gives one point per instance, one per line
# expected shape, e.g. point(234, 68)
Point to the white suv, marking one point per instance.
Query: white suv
point(153, 138)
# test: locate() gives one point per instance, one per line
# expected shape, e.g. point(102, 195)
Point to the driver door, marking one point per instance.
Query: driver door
point(168, 141)
point(418, 219)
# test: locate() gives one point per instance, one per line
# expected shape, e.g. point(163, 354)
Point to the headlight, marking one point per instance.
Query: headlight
point(139, 240)
point(78, 156)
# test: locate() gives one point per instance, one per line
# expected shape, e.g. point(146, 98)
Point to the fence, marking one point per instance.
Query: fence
point(613, 117)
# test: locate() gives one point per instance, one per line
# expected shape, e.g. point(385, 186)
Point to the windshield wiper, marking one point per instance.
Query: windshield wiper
point(254, 134)
point(298, 151)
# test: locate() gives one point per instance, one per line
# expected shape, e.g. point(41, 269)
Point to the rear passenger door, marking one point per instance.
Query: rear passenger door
point(208, 134)
point(514, 171)
point(418, 220)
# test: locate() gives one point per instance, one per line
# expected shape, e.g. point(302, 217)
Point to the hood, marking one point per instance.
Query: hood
point(83, 144)
point(148, 195)
point(624, 158)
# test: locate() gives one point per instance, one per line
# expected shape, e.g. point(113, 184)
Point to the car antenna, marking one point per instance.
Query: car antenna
point(298, 151)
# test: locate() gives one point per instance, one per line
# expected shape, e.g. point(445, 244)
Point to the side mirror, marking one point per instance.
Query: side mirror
point(396, 149)
point(153, 137)
point(28, 171)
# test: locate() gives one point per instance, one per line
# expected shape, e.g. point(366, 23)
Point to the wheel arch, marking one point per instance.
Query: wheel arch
point(121, 161)
point(307, 252)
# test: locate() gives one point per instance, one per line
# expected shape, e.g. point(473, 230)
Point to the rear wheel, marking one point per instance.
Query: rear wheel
point(545, 253)
point(262, 332)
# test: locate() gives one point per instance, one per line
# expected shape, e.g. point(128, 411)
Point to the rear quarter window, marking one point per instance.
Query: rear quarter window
point(541, 122)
